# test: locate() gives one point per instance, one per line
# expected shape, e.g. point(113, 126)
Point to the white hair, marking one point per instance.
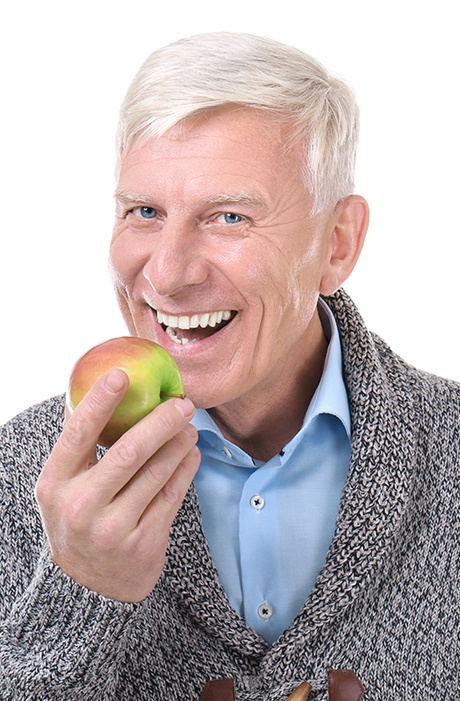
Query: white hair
point(206, 71)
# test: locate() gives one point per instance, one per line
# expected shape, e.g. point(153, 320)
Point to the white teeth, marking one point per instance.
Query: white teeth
point(172, 335)
point(194, 321)
point(184, 322)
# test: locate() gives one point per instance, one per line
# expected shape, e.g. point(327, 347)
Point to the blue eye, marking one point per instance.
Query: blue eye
point(146, 212)
point(232, 218)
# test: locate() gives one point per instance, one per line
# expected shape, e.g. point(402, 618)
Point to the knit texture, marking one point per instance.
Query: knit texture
point(386, 603)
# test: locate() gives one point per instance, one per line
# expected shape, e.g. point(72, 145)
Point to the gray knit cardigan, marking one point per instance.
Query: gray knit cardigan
point(386, 602)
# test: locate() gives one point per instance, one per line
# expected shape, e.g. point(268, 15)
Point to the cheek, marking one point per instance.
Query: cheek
point(122, 281)
point(307, 267)
point(296, 279)
point(124, 264)
point(292, 293)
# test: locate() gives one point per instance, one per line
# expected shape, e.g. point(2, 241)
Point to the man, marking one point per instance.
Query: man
point(320, 533)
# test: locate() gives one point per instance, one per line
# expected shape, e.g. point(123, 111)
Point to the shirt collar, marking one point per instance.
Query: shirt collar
point(330, 396)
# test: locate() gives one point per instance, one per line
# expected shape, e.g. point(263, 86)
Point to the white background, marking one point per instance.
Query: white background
point(64, 71)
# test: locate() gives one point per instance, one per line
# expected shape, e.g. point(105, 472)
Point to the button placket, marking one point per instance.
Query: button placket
point(258, 549)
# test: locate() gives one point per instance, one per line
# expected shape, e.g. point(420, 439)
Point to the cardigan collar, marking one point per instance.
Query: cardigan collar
point(373, 502)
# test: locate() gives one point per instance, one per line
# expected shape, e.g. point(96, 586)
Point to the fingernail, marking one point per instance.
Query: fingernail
point(115, 381)
point(184, 406)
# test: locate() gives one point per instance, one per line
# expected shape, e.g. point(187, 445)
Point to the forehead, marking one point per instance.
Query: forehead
point(235, 147)
point(248, 123)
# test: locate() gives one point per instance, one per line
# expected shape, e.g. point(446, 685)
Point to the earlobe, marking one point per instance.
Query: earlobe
point(346, 239)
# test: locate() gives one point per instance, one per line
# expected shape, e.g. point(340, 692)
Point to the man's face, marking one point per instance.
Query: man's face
point(215, 257)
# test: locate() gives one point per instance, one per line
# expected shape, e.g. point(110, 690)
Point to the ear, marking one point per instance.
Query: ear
point(346, 239)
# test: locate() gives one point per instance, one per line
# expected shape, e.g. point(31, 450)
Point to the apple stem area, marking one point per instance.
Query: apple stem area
point(166, 394)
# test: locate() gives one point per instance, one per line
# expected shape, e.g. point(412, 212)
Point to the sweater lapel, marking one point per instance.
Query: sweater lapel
point(373, 501)
point(193, 577)
point(377, 488)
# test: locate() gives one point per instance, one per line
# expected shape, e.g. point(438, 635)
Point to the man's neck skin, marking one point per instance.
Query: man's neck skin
point(262, 422)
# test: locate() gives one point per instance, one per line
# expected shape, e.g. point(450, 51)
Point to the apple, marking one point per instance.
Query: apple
point(153, 378)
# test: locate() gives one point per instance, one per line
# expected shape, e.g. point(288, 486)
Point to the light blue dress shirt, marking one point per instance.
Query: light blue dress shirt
point(269, 525)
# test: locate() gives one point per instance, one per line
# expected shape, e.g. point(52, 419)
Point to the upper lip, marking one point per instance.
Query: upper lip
point(193, 321)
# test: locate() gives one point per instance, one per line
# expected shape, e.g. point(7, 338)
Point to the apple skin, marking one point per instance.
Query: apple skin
point(153, 378)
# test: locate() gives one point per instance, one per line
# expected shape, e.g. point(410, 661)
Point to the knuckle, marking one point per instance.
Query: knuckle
point(44, 490)
point(192, 460)
point(106, 534)
point(126, 451)
point(158, 469)
point(186, 439)
point(155, 473)
point(98, 400)
point(75, 515)
point(74, 433)
point(168, 420)
point(175, 489)
point(172, 494)
point(90, 416)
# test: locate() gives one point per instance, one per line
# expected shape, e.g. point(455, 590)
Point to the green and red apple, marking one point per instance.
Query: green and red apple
point(153, 378)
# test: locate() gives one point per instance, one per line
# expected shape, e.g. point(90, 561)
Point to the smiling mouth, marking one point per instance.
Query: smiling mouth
point(194, 328)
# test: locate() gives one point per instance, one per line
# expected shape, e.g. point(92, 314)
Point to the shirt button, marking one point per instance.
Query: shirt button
point(257, 502)
point(227, 452)
point(265, 611)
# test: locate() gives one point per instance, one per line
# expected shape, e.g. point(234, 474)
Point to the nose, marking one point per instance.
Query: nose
point(177, 259)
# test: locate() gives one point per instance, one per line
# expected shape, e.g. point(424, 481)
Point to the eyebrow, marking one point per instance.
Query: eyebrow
point(128, 196)
point(220, 199)
point(236, 198)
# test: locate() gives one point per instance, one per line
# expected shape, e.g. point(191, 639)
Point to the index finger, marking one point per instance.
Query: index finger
point(75, 448)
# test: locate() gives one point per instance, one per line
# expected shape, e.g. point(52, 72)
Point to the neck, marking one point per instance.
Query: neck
point(262, 422)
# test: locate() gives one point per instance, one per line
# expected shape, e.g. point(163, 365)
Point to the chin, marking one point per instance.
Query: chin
point(204, 400)
point(203, 394)
point(210, 397)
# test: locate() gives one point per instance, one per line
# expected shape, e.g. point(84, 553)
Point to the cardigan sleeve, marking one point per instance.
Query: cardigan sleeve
point(57, 638)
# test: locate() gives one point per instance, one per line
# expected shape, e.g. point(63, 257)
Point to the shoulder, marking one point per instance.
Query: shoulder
point(41, 419)
point(368, 355)
point(435, 394)
point(383, 386)
point(27, 440)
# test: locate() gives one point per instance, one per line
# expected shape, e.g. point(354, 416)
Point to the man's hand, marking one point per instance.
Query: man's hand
point(108, 522)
